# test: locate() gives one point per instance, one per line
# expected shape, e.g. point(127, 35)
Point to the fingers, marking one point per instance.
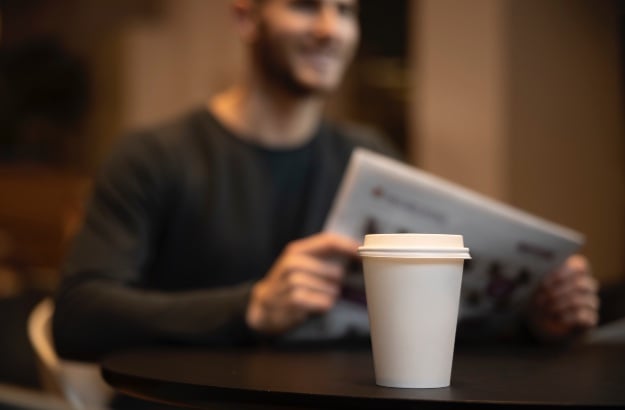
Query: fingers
point(574, 308)
point(581, 318)
point(573, 277)
point(577, 312)
point(574, 301)
point(568, 298)
point(574, 285)
point(311, 283)
point(308, 300)
point(278, 305)
point(326, 244)
point(575, 265)
point(331, 271)
point(305, 279)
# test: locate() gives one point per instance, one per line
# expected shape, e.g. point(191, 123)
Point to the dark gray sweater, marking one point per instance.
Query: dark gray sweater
point(182, 221)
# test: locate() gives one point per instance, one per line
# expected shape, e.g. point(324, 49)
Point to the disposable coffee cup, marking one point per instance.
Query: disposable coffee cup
point(412, 283)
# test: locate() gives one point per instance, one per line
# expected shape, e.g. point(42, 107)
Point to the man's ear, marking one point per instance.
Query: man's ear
point(245, 13)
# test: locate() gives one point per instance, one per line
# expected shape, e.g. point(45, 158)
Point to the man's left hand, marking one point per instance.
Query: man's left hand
point(566, 303)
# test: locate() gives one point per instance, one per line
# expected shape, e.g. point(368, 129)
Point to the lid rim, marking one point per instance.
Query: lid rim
point(462, 255)
point(414, 252)
point(411, 249)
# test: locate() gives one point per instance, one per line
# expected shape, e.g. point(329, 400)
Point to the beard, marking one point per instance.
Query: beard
point(272, 60)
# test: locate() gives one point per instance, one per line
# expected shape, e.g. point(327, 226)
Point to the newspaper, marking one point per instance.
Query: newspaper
point(511, 250)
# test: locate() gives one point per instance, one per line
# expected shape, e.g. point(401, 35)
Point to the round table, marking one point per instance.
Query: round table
point(484, 377)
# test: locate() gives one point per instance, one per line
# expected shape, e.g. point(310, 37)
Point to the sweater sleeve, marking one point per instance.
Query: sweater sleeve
point(102, 304)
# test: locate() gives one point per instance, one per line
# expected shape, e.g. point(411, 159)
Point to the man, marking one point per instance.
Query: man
point(207, 230)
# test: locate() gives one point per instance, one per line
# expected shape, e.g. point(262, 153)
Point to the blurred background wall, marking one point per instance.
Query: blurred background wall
point(521, 100)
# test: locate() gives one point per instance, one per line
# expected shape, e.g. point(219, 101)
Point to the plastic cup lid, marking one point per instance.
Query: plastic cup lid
point(414, 246)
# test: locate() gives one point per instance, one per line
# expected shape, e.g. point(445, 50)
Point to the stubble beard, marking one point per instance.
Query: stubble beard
point(276, 71)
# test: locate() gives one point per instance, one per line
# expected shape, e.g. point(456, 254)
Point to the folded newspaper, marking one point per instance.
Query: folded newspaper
point(511, 250)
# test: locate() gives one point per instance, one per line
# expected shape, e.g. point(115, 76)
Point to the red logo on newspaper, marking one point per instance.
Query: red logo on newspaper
point(377, 192)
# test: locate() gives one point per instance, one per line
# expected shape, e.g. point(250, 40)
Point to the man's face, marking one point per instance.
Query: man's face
point(305, 45)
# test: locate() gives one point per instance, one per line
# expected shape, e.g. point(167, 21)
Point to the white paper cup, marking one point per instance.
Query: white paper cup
point(412, 282)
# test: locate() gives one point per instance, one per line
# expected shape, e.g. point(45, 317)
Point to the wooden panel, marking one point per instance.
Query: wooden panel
point(38, 210)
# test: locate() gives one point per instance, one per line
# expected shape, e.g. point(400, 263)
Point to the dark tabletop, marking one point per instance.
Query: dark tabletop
point(485, 377)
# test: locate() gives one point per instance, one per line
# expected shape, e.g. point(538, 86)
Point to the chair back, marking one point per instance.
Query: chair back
point(79, 383)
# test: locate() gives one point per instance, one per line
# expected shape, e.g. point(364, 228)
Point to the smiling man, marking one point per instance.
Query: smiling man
point(206, 230)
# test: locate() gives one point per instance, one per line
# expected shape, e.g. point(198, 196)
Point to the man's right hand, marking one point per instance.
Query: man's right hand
point(305, 279)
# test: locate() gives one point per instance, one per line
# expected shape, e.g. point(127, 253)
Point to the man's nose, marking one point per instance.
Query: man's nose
point(327, 22)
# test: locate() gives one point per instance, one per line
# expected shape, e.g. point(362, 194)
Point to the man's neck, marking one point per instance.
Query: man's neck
point(266, 116)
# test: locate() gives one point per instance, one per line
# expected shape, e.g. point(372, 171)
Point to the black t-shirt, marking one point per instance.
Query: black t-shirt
point(182, 221)
point(291, 172)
